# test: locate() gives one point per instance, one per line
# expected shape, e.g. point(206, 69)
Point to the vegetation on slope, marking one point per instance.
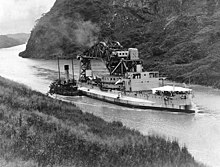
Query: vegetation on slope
point(38, 130)
point(21, 37)
point(11, 40)
point(178, 38)
point(6, 42)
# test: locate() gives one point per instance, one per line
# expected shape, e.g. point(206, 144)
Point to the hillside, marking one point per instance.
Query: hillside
point(36, 130)
point(21, 37)
point(6, 42)
point(11, 40)
point(180, 38)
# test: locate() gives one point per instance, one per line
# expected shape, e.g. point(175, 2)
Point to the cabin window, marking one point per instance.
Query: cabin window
point(156, 75)
point(151, 75)
point(136, 76)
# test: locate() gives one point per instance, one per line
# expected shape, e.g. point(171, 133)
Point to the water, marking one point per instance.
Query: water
point(199, 132)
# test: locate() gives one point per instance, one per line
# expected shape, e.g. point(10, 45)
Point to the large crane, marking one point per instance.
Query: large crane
point(117, 59)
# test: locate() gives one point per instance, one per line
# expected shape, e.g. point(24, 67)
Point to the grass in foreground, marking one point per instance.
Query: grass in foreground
point(37, 130)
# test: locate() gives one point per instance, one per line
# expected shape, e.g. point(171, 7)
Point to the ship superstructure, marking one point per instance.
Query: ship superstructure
point(124, 66)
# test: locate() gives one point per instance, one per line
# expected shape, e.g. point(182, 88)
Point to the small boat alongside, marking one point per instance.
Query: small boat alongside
point(63, 88)
point(66, 87)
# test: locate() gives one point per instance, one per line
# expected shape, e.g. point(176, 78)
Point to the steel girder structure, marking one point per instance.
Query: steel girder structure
point(105, 51)
point(121, 66)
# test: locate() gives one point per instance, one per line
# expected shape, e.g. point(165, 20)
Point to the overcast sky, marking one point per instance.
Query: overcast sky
point(20, 15)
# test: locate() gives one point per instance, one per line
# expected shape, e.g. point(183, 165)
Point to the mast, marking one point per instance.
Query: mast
point(58, 67)
point(189, 80)
point(73, 70)
point(80, 68)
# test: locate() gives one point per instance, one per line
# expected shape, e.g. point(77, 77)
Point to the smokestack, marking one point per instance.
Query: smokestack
point(66, 68)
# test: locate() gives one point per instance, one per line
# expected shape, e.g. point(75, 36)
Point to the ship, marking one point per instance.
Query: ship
point(66, 86)
point(126, 83)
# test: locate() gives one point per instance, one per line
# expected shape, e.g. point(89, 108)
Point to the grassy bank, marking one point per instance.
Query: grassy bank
point(37, 130)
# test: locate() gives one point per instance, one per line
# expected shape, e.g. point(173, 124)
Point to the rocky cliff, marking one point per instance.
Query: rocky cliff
point(180, 38)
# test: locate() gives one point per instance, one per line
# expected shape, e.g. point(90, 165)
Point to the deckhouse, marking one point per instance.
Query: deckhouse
point(141, 81)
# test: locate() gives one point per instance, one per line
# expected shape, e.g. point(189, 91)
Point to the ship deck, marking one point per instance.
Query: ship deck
point(128, 101)
point(116, 95)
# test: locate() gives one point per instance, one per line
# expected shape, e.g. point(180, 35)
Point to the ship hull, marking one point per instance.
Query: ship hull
point(130, 102)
